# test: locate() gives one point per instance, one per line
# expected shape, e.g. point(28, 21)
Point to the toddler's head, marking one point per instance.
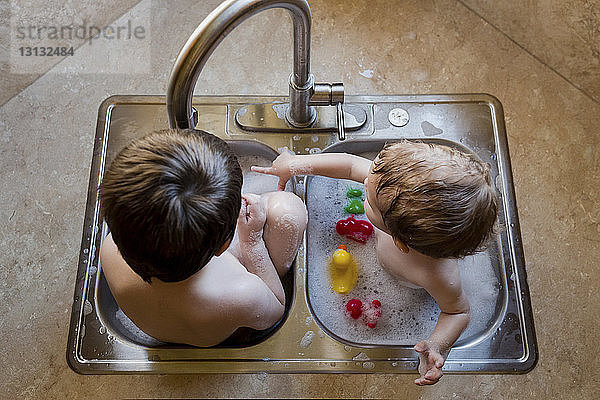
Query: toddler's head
point(171, 201)
point(432, 198)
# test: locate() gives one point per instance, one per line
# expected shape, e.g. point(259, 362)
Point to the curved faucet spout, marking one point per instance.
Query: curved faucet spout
point(213, 30)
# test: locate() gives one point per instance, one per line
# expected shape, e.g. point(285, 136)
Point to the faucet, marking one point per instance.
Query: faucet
point(304, 93)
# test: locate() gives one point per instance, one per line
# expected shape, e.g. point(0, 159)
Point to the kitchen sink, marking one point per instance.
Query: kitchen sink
point(501, 338)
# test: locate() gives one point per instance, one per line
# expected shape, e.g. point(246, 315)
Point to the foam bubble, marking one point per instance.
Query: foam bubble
point(307, 339)
point(87, 308)
point(361, 357)
point(368, 365)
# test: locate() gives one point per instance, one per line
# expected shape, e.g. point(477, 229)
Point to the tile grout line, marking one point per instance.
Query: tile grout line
point(582, 91)
point(64, 58)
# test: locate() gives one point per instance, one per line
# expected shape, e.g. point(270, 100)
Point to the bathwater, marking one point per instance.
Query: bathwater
point(253, 181)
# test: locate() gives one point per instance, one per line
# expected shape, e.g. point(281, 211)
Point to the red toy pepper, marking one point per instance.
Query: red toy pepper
point(358, 230)
point(354, 308)
point(372, 314)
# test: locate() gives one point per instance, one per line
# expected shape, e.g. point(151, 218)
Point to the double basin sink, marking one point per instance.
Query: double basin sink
point(311, 337)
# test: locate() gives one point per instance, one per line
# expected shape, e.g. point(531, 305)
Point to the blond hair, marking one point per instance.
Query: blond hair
point(438, 200)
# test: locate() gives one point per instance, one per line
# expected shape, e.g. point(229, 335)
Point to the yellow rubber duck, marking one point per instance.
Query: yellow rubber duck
point(343, 270)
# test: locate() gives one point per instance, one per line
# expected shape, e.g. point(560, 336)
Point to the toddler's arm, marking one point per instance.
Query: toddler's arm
point(333, 165)
point(452, 321)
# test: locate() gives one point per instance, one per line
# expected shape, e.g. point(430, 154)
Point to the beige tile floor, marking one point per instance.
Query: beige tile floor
point(23, 14)
point(565, 35)
point(413, 46)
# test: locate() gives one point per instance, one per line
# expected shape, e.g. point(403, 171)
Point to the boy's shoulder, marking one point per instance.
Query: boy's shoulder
point(222, 278)
point(226, 288)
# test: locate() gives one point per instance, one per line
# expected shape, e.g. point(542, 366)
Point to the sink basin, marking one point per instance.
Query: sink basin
point(103, 341)
point(409, 315)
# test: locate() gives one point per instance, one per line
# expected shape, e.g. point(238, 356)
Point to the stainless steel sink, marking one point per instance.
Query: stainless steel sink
point(103, 341)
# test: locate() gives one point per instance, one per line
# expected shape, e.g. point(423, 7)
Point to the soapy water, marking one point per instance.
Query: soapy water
point(136, 332)
point(255, 182)
point(407, 315)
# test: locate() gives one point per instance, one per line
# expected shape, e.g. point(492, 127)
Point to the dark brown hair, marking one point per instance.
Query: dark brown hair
point(438, 200)
point(171, 200)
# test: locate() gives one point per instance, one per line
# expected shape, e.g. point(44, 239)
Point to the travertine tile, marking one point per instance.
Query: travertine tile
point(46, 135)
point(16, 18)
point(563, 34)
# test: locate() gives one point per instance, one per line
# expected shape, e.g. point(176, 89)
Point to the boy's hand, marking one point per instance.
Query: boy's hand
point(251, 219)
point(283, 167)
point(430, 363)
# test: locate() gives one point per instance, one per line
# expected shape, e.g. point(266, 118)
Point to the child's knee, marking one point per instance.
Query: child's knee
point(285, 206)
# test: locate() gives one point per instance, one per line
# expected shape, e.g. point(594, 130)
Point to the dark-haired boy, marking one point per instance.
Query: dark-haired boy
point(172, 201)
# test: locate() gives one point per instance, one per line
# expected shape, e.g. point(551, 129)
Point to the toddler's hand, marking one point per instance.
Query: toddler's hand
point(251, 219)
point(281, 167)
point(430, 363)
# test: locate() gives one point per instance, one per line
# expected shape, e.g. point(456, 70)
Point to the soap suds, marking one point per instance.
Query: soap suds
point(361, 357)
point(255, 182)
point(307, 339)
point(87, 308)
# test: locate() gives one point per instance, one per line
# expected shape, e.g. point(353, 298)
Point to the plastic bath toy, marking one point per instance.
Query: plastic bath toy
point(353, 192)
point(372, 314)
point(358, 230)
point(354, 308)
point(355, 206)
point(343, 270)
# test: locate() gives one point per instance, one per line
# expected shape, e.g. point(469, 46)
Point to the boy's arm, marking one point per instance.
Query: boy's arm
point(452, 321)
point(255, 305)
point(333, 165)
point(258, 262)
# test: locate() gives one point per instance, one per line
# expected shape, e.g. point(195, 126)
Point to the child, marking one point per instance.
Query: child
point(430, 205)
point(172, 201)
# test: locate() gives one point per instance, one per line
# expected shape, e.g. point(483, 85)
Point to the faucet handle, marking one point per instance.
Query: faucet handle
point(331, 94)
point(337, 93)
point(337, 98)
point(327, 94)
point(340, 122)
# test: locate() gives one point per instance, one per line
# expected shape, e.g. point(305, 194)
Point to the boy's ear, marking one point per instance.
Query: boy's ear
point(401, 245)
point(223, 248)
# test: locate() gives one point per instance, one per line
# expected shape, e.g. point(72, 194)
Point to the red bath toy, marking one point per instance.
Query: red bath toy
point(354, 308)
point(358, 230)
point(372, 314)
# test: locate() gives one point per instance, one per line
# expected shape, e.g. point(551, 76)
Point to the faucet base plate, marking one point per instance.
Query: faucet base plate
point(270, 117)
